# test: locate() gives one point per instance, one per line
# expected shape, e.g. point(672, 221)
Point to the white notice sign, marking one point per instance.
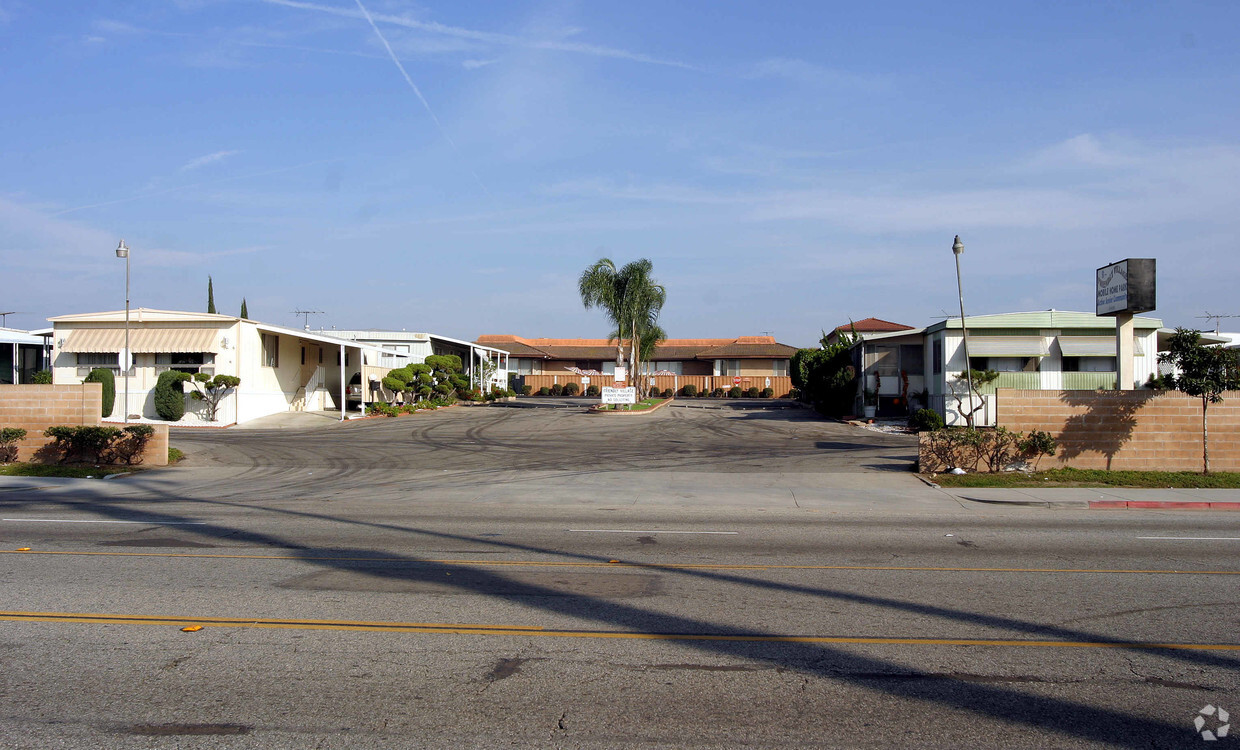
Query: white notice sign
point(619, 395)
point(585, 381)
point(620, 374)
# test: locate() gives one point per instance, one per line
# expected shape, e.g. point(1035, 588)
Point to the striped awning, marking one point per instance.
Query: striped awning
point(1094, 346)
point(142, 340)
point(1008, 346)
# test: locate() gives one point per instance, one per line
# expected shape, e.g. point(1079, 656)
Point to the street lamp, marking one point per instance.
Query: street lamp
point(123, 252)
point(957, 249)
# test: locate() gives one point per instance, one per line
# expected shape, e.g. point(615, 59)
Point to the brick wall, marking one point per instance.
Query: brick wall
point(1139, 430)
point(34, 408)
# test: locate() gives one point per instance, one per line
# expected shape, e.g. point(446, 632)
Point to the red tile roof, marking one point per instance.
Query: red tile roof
point(874, 325)
point(743, 347)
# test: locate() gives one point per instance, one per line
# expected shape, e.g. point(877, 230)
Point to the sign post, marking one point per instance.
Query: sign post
point(1125, 289)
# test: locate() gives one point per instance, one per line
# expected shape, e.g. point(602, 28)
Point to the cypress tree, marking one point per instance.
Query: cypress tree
point(244, 312)
point(210, 296)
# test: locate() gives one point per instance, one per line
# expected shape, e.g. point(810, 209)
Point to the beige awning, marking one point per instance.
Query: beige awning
point(142, 340)
point(1094, 346)
point(1008, 346)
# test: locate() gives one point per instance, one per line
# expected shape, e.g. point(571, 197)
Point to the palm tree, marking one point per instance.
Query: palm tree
point(632, 299)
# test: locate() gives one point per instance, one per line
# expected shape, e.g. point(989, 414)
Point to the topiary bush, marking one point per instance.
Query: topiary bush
point(734, 392)
point(544, 391)
point(767, 393)
point(571, 389)
point(751, 392)
point(689, 391)
point(717, 393)
point(668, 393)
point(8, 443)
point(527, 390)
point(170, 395)
point(593, 391)
point(104, 375)
point(557, 390)
point(925, 420)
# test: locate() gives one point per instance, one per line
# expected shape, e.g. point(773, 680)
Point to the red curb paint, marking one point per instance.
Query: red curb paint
point(1155, 504)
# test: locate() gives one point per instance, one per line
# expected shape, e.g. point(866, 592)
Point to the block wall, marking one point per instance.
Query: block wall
point(1137, 430)
point(34, 408)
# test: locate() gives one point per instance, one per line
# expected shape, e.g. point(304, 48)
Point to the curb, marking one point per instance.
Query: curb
point(1159, 504)
point(614, 412)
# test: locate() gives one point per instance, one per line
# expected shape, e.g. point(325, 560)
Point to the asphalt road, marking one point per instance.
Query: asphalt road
point(546, 578)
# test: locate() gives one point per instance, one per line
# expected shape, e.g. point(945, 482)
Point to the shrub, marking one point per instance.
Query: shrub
point(925, 420)
point(557, 390)
point(689, 391)
point(130, 445)
point(8, 443)
point(170, 395)
point(380, 407)
point(527, 390)
point(717, 393)
point(668, 393)
point(105, 376)
point(87, 441)
point(734, 392)
point(767, 393)
point(794, 393)
point(43, 377)
point(1037, 444)
point(593, 391)
point(571, 389)
point(544, 391)
point(752, 392)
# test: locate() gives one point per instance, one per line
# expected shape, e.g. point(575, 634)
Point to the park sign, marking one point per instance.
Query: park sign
point(619, 395)
point(1126, 287)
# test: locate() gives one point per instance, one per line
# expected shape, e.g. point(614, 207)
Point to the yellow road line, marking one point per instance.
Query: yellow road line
point(647, 566)
point(522, 630)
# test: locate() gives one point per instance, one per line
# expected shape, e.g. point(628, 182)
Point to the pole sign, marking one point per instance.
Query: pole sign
point(619, 395)
point(1126, 287)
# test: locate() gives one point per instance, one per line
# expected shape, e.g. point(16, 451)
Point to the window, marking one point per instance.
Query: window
point(938, 356)
point(1089, 364)
point(303, 356)
point(912, 359)
point(1005, 364)
point(727, 367)
point(320, 355)
point(676, 368)
point(271, 350)
point(87, 361)
point(781, 368)
point(188, 362)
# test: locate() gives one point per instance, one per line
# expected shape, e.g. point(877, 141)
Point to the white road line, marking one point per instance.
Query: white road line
point(74, 520)
point(639, 531)
point(1196, 538)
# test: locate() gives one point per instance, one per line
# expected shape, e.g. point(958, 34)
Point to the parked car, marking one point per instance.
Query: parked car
point(353, 392)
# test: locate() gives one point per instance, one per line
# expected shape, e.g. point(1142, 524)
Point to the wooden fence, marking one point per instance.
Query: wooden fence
point(781, 385)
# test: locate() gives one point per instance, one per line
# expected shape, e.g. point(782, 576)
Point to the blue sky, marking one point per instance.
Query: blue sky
point(786, 166)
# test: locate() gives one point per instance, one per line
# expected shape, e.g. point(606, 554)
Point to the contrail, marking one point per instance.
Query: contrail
point(443, 131)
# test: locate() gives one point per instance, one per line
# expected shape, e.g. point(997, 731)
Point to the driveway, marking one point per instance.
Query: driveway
point(709, 437)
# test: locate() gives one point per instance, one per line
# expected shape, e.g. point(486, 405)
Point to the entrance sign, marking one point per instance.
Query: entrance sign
point(585, 380)
point(1126, 287)
point(619, 395)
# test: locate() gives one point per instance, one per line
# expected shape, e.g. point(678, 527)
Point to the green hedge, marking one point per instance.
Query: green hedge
point(104, 375)
point(170, 395)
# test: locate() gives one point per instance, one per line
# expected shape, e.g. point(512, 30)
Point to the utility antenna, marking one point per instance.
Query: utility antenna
point(307, 314)
point(947, 315)
point(1216, 318)
point(4, 317)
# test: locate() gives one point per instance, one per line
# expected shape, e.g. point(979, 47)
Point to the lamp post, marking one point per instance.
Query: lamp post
point(957, 249)
point(123, 252)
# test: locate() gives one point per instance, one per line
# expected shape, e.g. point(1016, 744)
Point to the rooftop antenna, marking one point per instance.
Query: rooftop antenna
point(307, 314)
point(1208, 316)
point(4, 317)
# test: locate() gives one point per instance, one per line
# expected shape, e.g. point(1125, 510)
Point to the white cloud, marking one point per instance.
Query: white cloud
point(813, 74)
point(475, 64)
point(203, 161)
